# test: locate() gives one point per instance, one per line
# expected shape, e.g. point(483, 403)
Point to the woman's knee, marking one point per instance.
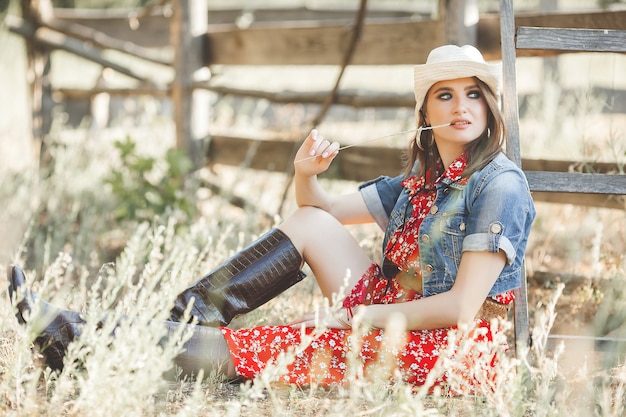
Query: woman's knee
point(308, 219)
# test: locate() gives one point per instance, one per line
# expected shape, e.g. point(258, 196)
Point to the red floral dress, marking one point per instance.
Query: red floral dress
point(329, 358)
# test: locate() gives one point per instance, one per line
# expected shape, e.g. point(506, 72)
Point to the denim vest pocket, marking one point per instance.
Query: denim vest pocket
point(452, 227)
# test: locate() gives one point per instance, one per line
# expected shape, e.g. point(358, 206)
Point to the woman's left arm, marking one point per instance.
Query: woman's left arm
point(478, 272)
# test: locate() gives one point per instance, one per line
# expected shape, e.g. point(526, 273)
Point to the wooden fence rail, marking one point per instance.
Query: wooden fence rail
point(549, 180)
point(390, 35)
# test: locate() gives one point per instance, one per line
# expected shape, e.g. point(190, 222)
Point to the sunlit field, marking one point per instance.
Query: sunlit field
point(124, 253)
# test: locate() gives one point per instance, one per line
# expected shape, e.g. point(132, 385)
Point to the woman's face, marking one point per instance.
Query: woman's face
point(461, 103)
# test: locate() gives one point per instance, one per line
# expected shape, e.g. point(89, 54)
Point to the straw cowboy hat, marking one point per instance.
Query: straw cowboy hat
point(450, 62)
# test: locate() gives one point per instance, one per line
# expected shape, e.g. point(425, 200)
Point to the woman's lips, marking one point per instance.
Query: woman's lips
point(460, 123)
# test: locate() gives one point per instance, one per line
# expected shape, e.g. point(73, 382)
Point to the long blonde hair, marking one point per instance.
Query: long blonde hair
point(479, 152)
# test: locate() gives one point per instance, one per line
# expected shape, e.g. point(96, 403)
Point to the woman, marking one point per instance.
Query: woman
point(456, 225)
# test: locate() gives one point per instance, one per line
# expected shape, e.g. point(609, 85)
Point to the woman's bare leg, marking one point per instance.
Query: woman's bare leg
point(327, 247)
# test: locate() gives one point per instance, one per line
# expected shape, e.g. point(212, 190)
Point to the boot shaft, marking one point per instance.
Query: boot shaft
point(244, 282)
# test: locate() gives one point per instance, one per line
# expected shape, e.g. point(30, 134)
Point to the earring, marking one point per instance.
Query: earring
point(418, 137)
point(418, 140)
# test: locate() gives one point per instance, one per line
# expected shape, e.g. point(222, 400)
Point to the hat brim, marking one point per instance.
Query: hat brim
point(426, 75)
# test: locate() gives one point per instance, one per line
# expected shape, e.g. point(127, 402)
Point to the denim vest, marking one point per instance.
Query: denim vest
point(493, 211)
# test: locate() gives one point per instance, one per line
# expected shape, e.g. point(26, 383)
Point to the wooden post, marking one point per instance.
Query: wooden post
point(37, 73)
point(460, 21)
point(189, 24)
point(511, 119)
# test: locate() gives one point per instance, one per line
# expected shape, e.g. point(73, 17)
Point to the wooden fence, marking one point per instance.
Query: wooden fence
point(187, 37)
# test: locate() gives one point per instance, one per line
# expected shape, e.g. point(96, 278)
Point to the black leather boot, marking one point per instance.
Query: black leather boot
point(244, 282)
point(206, 349)
point(59, 327)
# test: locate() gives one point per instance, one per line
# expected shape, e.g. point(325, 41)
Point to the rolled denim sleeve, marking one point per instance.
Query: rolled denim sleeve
point(501, 211)
point(380, 196)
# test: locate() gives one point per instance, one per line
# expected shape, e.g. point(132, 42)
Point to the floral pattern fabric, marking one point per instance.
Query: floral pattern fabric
point(325, 361)
point(337, 356)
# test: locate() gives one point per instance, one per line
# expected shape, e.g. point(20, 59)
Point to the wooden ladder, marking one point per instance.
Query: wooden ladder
point(543, 38)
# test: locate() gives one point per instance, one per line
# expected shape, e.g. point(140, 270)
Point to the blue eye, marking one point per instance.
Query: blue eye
point(447, 95)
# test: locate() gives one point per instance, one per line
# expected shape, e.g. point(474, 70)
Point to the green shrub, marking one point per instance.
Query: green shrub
point(147, 186)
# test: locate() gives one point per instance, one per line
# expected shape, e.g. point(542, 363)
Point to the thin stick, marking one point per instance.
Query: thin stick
point(418, 129)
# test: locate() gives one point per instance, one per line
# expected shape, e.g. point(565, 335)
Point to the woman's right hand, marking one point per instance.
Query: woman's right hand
point(315, 155)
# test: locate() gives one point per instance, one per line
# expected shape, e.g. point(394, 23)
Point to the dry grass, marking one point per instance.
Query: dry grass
point(59, 228)
point(123, 376)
